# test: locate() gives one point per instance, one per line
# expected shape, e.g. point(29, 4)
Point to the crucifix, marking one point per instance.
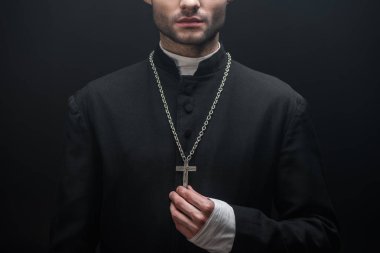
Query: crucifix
point(186, 168)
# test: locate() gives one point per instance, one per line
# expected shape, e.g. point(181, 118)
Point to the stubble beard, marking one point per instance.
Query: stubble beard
point(166, 26)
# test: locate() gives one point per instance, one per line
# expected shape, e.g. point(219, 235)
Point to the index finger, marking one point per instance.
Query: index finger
point(201, 202)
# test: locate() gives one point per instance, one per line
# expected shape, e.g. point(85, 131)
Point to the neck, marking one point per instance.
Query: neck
point(187, 65)
point(188, 50)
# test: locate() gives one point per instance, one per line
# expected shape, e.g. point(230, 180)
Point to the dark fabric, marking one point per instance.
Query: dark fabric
point(259, 154)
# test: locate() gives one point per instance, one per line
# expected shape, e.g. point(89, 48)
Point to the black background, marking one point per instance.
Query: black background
point(327, 50)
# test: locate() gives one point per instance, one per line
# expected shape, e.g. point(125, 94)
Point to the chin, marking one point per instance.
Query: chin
point(191, 39)
point(188, 37)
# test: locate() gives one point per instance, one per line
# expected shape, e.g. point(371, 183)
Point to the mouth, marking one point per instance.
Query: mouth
point(190, 22)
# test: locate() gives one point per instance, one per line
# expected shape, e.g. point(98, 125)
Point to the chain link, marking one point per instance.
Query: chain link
point(208, 118)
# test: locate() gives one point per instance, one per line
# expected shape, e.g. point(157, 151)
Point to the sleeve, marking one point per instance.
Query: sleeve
point(306, 220)
point(75, 226)
point(217, 235)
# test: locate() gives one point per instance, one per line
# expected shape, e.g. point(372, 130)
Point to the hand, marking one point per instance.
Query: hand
point(190, 210)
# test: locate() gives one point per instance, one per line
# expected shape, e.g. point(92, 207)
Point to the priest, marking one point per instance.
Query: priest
point(191, 151)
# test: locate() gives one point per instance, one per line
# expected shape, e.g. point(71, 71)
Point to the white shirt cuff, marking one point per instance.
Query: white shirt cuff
point(218, 233)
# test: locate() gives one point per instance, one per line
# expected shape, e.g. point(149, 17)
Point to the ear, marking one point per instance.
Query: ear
point(148, 1)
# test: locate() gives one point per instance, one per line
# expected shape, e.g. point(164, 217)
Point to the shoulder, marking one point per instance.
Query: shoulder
point(130, 74)
point(264, 93)
point(123, 80)
point(267, 88)
point(262, 83)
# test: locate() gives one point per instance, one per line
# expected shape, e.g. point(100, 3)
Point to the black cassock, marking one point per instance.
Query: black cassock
point(259, 154)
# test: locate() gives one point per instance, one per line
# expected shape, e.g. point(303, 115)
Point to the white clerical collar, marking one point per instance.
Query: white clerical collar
point(187, 65)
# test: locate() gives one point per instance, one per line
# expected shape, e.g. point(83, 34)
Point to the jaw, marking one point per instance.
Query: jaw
point(191, 47)
point(191, 39)
point(191, 36)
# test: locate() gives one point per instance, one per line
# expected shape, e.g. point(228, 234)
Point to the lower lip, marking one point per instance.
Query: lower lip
point(190, 24)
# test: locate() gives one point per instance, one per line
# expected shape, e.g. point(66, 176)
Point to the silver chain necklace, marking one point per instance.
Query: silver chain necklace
point(186, 159)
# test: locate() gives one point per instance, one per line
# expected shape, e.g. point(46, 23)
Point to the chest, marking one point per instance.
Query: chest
point(236, 153)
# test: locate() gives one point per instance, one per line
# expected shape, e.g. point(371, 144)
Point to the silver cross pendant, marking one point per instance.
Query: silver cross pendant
point(185, 169)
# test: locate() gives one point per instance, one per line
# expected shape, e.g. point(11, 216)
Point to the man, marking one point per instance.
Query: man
point(190, 151)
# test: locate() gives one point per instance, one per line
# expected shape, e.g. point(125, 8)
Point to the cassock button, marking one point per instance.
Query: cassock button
point(188, 133)
point(189, 107)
